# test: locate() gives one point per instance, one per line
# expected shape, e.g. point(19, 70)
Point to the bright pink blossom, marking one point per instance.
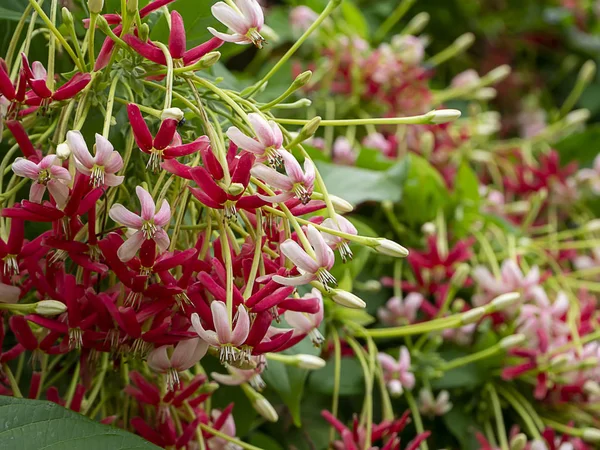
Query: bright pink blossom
point(245, 22)
point(396, 373)
point(268, 143)
point(102, 167)
point(47, 174)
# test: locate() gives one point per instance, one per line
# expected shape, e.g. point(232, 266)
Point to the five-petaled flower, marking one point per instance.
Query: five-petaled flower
point(100, 168)
point(245, 20)
point(268, 144)
point(148, 225)
point(310, 268)
point(47, 174)
point(397, 374)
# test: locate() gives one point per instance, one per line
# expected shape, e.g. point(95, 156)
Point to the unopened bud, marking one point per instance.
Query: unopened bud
point(593, 225)
point(591, 435)
point(577, 116)
point(236, 189)
point(417, 24)
point(390, 248)
point(265, 409)
point(460, 275)
point(302, 79)
point(591, 387)
point(50, 308)
point(559, 361)
point(464, 41)
point(347, 299)
point(310, 362)
point(371, 286)
point(587, 72)
point(172, 113)
point(144, 32)
point(443, 115)
point(210, 59)
point(505, 300)
point(498, 74)
point(518, 442)
point(427, 143)
point(485, 93)
point(67, 17)
point(428, 228)
point(472, 316)
point(309, 129)
point(512, 341)
point(95, 6)
point(132, 6)
point(209, 388)
point(63, 151)
point(340, 205)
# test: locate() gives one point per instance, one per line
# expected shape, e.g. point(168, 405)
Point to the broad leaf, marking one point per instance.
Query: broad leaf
point(35, 424)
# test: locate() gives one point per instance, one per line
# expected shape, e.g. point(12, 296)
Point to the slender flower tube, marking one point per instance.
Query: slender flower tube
point(245, 21)
point(100, 168)
point(268, 143)
point(47, 174)
point(148, 225)
point(225, 336)
point(310, 268)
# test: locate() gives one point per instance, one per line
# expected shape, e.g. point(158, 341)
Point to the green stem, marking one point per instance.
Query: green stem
point(411, 120)
point(16, 35)
point(109, 107)
point(416, 416)
point(500, 428)
point(393, 19)
point(13, 383)
point(91, 40)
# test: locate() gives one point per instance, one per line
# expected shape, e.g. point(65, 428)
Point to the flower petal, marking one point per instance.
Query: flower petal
point(230, 18)
point(147, 203)
point(161, 218)
point(245, 142)
point(325, 256)
point(242, 327)
point(59, 191)
point(162, 240)
point(79, 148)
point(158, 359)
point(208, 336)
point(221, 320)
point(298, 256)
point(25, 168)
point(264, 132)
point(122, 215)
point(130, 247)
point(104, 150)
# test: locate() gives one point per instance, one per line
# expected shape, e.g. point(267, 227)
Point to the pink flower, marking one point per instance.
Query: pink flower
point(296, 183)
point(268, 143)
point(531, 122)
point(545, 316)
point(398, 311)
point(245, 21)
point(100, 168)
point(304, 323)
point(239, 376)
point(224, 422)
point(336, 242)
point(582, 262)
point(46, 173)
point(467, 78)
point(302, 17)
point(379, 142)
point(410, 49)
point(173, 359)
point(434, 406)
point(148, 225)
point(397, 374)
point(310, 268)
point(227, 337)
point(343, 153)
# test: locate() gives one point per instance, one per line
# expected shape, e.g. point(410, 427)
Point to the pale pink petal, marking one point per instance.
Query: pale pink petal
point(36, 192)
point(207, 336)
point(25, 168)
point(295, 281)
point(408, 380)
point(158, 359)
point(113, 180)
point(162, 240)
point(81, 168)
point(59, 191)
point(486, 280)
point(309, 173)
point(163, 215)
point(114, 163)
point(39, 71)
point(130, 247)
point(233, 38)
point(264, 133)
point(227, 380)
point(242, 327)
point(148, 207)
point(346, 226)
point(122, 215)
point(79, 149)
point(221, 320)
point(299, 257)
point(512, 275)
point(47, 161)
point(404, 359)
point(245, 142)
point(277, 135)
point(187, 353)
point(60, 173)
point(292, 167)
point(325, 256)
point(387, 362)
point(272, 177)
point(299, 321)
point(103, 149)
point(279, 198)
point(252, 12)
point(229, 17)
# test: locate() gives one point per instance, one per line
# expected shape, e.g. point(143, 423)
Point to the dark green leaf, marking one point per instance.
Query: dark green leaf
point(581, 147)
point(35, 424)
point(351, 381)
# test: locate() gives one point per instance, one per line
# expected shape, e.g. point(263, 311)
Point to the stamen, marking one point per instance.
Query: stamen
point(257, 382)
point(172, 379)
point(327, 280)
point(97, 176)
point(256, 38)
point(230, 210)
point(273, 157)
point(301, 193)
point(316, 337)
point(75, 338)
point(149, 229)
point(11, 266)
point(345, 252)
point(156, 157)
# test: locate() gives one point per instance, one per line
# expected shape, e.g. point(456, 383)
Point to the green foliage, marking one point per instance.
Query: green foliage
point(34, 424)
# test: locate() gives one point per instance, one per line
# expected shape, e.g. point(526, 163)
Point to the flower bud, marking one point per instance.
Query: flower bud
point(302, 79)
point(390, 248)
point(472, 316)
point(172, 113)
point(518, 442)
point(95, 6)
point(417, 23)
point(132, 6)
point(486, 93)
point(428, 228)
point(505, 300)
point(464, 41)
point(591, 435)
point(50, 308)
point(587, 72)
point(498, 74)
point(559, 361)
point(236, 189)
point(460, 275)
point(209, 388)
point(443, 115)
point(210, 59)
point(310, 362)
point(67, 17)
point(102, 23)
point(63, 151)
point(341, 206)
point(347, 299)
point(144, 32)
point(593, 225)
point(371, 286)
point(512, 341)
point(578, 116)
point(265, 409)
point(591, 387)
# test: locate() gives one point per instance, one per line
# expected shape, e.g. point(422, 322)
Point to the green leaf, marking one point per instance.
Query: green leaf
point(351, 381)
point(581, 147)
point(355, 19)
point(467, 198)
point(358, 185)
point(35, 424)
